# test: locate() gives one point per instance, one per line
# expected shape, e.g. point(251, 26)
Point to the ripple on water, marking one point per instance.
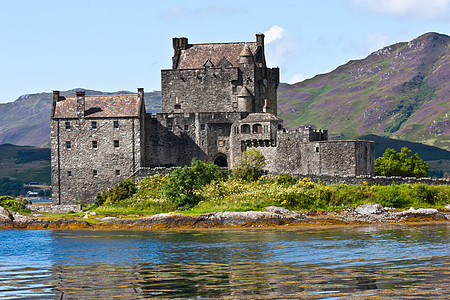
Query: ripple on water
point(369, 263)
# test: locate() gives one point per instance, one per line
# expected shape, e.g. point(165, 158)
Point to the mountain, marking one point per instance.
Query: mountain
point(26, 121)
point(401, 91)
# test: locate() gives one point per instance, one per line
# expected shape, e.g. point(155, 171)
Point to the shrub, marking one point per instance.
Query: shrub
point(400, 164)
point(120, 192)
point(286, 179)
point(250, 165)
point(13, 204)
point(182, 184)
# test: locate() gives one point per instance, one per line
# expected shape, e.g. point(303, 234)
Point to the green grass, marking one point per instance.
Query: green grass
point(232, 195)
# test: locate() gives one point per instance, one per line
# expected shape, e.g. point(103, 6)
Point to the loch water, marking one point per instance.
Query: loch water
point(358, 262)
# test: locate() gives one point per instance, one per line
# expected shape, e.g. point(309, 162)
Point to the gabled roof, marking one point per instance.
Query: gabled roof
point(195, 56)
point(260, 117)
point(244, 92)
point(106, 106)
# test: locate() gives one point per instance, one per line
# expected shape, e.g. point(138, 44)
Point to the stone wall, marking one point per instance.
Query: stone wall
point(56, 208)
point(345, 158)
point(97, 157)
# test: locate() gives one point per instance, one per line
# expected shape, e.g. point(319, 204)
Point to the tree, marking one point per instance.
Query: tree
point(400, 164)
point(250, 165)
point(182, 183)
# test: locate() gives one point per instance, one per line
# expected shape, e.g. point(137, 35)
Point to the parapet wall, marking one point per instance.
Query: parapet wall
point(326, 179)
point(56, 208)
point(376, 180)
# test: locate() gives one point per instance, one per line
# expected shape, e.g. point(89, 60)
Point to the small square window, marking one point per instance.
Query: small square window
point(116, 124)
point(94, 124)
point(234, 90)
point(220, 128)
point(186, 127)
point(170, 128)
point(177, 106)
point(67, 125)
point(116, 143)
point(94, 144)
point(202, 127)
point(94, 173)
point(69, 173)
point(117, 172)
point(68, 145)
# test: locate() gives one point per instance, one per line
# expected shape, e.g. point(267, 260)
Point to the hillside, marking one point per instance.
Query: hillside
point(26, 121)
point(401, 91)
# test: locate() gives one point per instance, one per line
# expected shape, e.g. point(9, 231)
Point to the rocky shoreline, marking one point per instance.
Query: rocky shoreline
point(271, 216)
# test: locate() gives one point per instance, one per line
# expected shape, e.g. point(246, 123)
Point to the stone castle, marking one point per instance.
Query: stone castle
point(217, 101)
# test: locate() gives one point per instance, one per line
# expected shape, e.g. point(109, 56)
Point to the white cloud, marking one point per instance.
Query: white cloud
point(376, 41)
point(418, 9)
point(279, 47)
point(273, 34)
point(297, 78)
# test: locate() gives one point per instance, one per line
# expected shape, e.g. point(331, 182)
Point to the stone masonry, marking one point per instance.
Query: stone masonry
point(217, 101)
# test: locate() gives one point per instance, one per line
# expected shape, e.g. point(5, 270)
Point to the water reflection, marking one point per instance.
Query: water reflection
point(372, 261)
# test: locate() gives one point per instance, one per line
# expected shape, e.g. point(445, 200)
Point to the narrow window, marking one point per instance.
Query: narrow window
point(317, 149)
point(202, 127)
point(220, 128)
point(67, 125)
point(116, 124)
point(94, 173)
point(234, 89)
point(69, 173)
point(117, 172)
point(68, 145)
point(94, 144)
point(186, 127)
point(94, 124)
point(116, 143)
point(170, 128)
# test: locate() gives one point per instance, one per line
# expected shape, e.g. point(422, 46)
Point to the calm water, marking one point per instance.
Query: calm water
point(383, 261)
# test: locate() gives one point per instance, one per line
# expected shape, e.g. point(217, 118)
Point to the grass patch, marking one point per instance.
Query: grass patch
point(235, 195)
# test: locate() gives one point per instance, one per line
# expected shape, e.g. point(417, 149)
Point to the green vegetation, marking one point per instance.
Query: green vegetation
point(400, 164)
point(250, 165)
point(17, 205)
point(120, 192)
point(181, 185)
point(283, 190)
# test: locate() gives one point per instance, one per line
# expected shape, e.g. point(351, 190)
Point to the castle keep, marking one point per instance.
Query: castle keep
point(217, 101)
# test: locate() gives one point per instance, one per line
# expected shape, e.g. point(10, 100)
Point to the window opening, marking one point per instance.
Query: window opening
point(94, 144)
point(67, 125)
point(68, 145)
point(94, 124)
point(116, 143)
point(116, 124)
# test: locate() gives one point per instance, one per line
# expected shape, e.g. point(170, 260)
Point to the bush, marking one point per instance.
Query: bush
point(182, 184)
point(400, 164)
point(120, 192)
point(250, 165)
point(13, 204)
point(287, 179)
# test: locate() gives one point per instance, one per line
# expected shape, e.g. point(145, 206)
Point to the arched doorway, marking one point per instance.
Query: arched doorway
point(221, 161)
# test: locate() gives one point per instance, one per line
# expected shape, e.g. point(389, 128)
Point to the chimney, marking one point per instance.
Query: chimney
point(183, 43)
point(176, 43)
point(81, 95)
point(141, 94)
point(55, 96)
point(260, 39)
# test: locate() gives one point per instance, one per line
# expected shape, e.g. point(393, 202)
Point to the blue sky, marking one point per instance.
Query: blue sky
point(121, 45)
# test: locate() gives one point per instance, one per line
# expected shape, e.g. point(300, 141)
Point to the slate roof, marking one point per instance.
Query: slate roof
point(260, 117)
point(195, 56)
point(105, 106)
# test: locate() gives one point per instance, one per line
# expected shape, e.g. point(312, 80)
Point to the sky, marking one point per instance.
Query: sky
point(114, 45)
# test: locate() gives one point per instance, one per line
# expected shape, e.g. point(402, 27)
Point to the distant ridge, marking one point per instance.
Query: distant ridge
point(401, 91)
point(26, 121)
